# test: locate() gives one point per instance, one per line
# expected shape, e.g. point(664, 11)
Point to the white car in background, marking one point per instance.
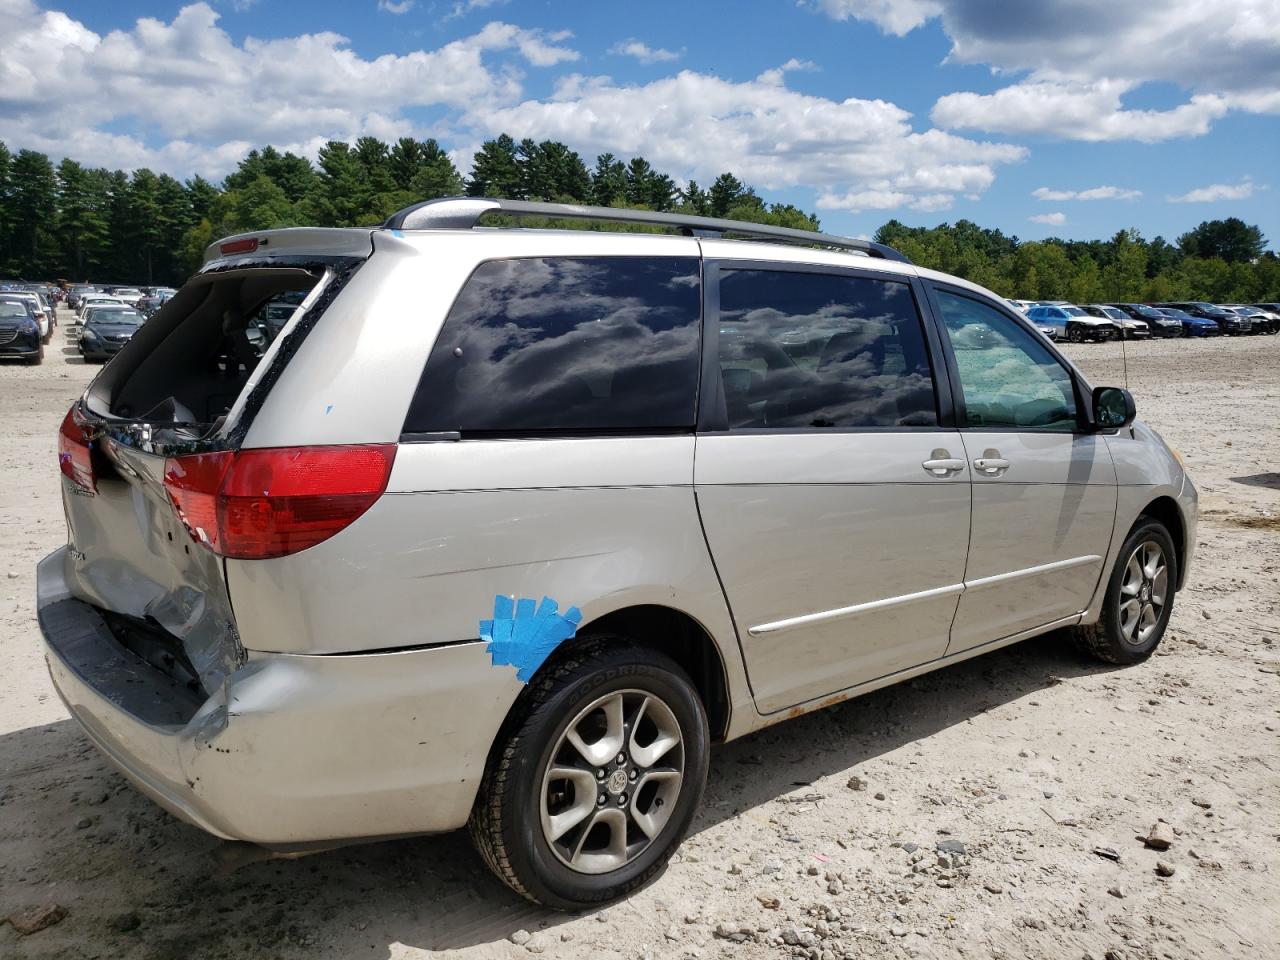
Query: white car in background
point(99, 300)
point(1066, 321)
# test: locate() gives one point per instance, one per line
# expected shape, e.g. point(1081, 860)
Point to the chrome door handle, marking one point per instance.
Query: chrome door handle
point(942, 466)
point(991, 466)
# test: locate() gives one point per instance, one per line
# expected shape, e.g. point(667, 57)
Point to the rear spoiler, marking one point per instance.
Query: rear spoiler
point(293, 241)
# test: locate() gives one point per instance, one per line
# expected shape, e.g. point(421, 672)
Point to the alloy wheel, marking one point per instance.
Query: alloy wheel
point(1143, 592)
point(612, 781)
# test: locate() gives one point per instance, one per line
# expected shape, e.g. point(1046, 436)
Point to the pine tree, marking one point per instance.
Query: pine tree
point(495, 171)
point(608, 181)
point(82, 217)
point(33, 202)
point(725, 192)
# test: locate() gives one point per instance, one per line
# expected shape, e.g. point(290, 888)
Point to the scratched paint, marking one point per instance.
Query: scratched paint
point(523, 634)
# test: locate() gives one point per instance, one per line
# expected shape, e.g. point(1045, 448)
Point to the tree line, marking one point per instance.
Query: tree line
point(1222, 261)
point(89, 223)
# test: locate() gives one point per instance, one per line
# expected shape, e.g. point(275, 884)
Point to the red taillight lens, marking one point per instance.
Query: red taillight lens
point(256, 504)
point(248, 245)
point(75, 460)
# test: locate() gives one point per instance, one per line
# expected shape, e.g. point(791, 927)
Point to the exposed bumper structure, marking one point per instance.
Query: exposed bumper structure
point(293, 750)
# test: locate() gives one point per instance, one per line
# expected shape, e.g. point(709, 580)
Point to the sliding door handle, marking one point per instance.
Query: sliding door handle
point(991, 466)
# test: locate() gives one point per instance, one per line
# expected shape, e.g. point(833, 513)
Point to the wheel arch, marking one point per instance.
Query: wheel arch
point(1165, 510)
point(686, 641)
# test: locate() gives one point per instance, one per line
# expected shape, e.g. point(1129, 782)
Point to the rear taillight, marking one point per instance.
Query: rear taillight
point(75, 458)
point(255, 504)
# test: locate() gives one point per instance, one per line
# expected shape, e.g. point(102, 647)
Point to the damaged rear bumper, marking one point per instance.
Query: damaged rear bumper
point(292, 749)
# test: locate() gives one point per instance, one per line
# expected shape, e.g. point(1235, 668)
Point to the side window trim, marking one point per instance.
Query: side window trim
point(1081, 389)
point(713, 415)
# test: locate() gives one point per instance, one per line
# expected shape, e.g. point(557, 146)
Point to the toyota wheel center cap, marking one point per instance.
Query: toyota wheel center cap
point(617, 781)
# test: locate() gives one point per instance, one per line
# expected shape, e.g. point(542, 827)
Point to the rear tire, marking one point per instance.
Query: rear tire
point(550, 838)
point(1139, 600)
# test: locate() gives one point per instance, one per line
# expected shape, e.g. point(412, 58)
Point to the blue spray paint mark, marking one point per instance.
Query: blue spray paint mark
point(328, 408)
point(523, 637)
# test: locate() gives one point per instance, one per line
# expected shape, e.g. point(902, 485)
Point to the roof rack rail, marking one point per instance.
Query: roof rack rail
point(462, 213)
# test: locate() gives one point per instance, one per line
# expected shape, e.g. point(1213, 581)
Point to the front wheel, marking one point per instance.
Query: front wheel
point(1074, 333)
point(1139, 598)
point(595, 778)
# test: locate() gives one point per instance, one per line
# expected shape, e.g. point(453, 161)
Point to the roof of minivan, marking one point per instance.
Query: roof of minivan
point(520, 241)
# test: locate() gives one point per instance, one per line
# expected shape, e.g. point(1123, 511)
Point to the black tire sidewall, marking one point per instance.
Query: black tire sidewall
point(1120, 648)
point(544, 876)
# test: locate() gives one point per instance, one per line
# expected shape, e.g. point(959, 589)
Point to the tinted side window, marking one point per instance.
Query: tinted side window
point(1009, 378)
point(807, 350)
point(566, 344)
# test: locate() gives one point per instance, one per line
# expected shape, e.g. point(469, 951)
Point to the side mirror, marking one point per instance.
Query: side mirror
point(1113, 408)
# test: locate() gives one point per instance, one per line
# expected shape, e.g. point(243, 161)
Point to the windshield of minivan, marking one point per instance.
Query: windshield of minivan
point(1074, 312)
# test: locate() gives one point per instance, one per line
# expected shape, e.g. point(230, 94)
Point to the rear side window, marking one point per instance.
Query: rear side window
point(803, 350)
point(566, 344)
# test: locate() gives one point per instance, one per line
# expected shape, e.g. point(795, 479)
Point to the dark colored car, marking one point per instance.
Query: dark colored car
point(149, 305)
point(1192, 326)
point(107, 330)
point(1228, 322)
point(19, 332)
point(77, 292)
point(1158, 323)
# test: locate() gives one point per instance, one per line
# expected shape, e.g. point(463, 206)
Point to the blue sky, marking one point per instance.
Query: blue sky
point(1070, 118)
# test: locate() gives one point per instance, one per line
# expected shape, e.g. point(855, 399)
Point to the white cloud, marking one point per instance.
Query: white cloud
point(201, 94)
point(1093, 193)
point(642, 51)
point(463, 7)
point(898, 17)
point(1075, 111)
point(396, 6)
point(1217, 191)
point(861, 154)
point(856, 201)
point(1081, 57)
point(183, 96)
point(1052, 219)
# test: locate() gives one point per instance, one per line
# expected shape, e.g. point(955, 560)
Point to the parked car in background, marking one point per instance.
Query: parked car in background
point(149, 305)
point(101, 300)
point(76, 292)
point(1192, 326)
point(127, 294)
point(44, 313)
point(105, 329)
point(1023, 305)
point(274, 316)
point(1262, 321)
point(1069, 322)
point(1129, 327)
point(1160, 324)
point(397, 578)
point(1229, 323)
point(20, 336)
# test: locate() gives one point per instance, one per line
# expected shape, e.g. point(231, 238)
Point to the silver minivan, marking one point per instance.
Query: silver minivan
point(506, 527)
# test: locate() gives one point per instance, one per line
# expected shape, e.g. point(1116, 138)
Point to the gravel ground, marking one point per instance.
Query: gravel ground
point(992, 809)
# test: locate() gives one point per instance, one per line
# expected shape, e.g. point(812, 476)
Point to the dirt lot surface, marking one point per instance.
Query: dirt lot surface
point(820, 837)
